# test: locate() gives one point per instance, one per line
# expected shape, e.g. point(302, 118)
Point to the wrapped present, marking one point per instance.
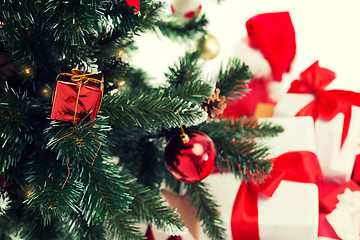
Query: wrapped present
point(286, 205)
point(329, 200)
point(325, 229)
point(345, 218)
point(336, 114)
point(77, 97)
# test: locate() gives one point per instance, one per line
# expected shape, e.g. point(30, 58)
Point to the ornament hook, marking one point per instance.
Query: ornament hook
point(184, 137)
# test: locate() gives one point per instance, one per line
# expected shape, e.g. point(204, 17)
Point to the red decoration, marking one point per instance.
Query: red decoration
point(191, 161)
point(134, 3)
point(325, 229)
point(174, 238)
point(274, 35)
point(327, 103)
point(300, 166)
point(77, 95)
point(1, 25)
point(356, 170)
point(329, 201)
point(149, 234)
point(246, 106)
point(186, 9)
point(328, 193)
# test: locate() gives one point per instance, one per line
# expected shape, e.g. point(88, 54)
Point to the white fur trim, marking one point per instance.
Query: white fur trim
point(258, 65)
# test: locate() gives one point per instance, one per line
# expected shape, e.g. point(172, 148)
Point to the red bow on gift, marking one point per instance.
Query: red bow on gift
point(327, 103)
point(302, 166)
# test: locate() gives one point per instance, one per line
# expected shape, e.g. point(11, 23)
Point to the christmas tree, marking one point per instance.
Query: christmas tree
point(68, 171)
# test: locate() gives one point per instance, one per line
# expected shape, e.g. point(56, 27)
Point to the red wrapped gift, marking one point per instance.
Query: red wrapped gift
point(77, 97)
point(296, 166)
point(329, 201)
point(325, 229)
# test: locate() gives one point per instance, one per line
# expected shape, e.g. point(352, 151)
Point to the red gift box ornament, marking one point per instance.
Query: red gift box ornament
point(301, 166)
point(327, 103)
point(77, 96)
point(134, 3)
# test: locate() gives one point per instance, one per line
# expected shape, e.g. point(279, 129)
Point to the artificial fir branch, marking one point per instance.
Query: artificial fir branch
point(244, 127)
point(126, 23)
point(237, 148)
point(18, 125)
point(151, 109)
point(76, 228)
point(123, 227)
point(180, 30)
point(187, 70)
point(233, 80)
point(207, 210)
point(149, 208)
point(194, 91)
point(45, 193)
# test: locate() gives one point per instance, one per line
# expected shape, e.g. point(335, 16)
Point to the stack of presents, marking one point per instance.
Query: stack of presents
point(313, 192)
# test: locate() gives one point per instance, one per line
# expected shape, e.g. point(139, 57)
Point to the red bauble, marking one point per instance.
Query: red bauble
point(191, 161)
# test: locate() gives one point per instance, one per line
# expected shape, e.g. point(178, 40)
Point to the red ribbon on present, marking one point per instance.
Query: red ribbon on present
point(328, 202)
point(356, 170)
point(301, 166)
point(327, 103)
point(134, 3)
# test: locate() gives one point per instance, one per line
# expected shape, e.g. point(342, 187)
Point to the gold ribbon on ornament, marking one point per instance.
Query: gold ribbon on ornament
point(82, 77)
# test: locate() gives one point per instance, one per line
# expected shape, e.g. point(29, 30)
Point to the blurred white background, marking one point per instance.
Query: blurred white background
point(328, 31)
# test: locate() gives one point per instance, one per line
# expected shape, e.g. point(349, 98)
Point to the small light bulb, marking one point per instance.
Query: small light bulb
point(121, 83)
point(27, 70)
point(121, 55)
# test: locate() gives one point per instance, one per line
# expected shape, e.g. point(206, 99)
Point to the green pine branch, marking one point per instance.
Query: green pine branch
point(179, 29)
point(195, 92)
point(186, 70)
point(76, 228)
point(123, 227)
point(148, 207)
point(207, 210)
point(233, 80)
point(185, 80)
point(46, 196)
point(150, 109)
point(18, 125)
point(237, 149)
point(244, 127)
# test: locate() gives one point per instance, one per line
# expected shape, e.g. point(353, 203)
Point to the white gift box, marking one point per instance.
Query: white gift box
point(292, 212)
point(336, 162)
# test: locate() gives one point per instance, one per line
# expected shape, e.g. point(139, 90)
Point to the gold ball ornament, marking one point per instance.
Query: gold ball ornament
point(208, 46)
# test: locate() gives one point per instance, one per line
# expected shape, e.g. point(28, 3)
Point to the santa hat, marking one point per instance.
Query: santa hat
point(274, 35)
point(268, 50)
